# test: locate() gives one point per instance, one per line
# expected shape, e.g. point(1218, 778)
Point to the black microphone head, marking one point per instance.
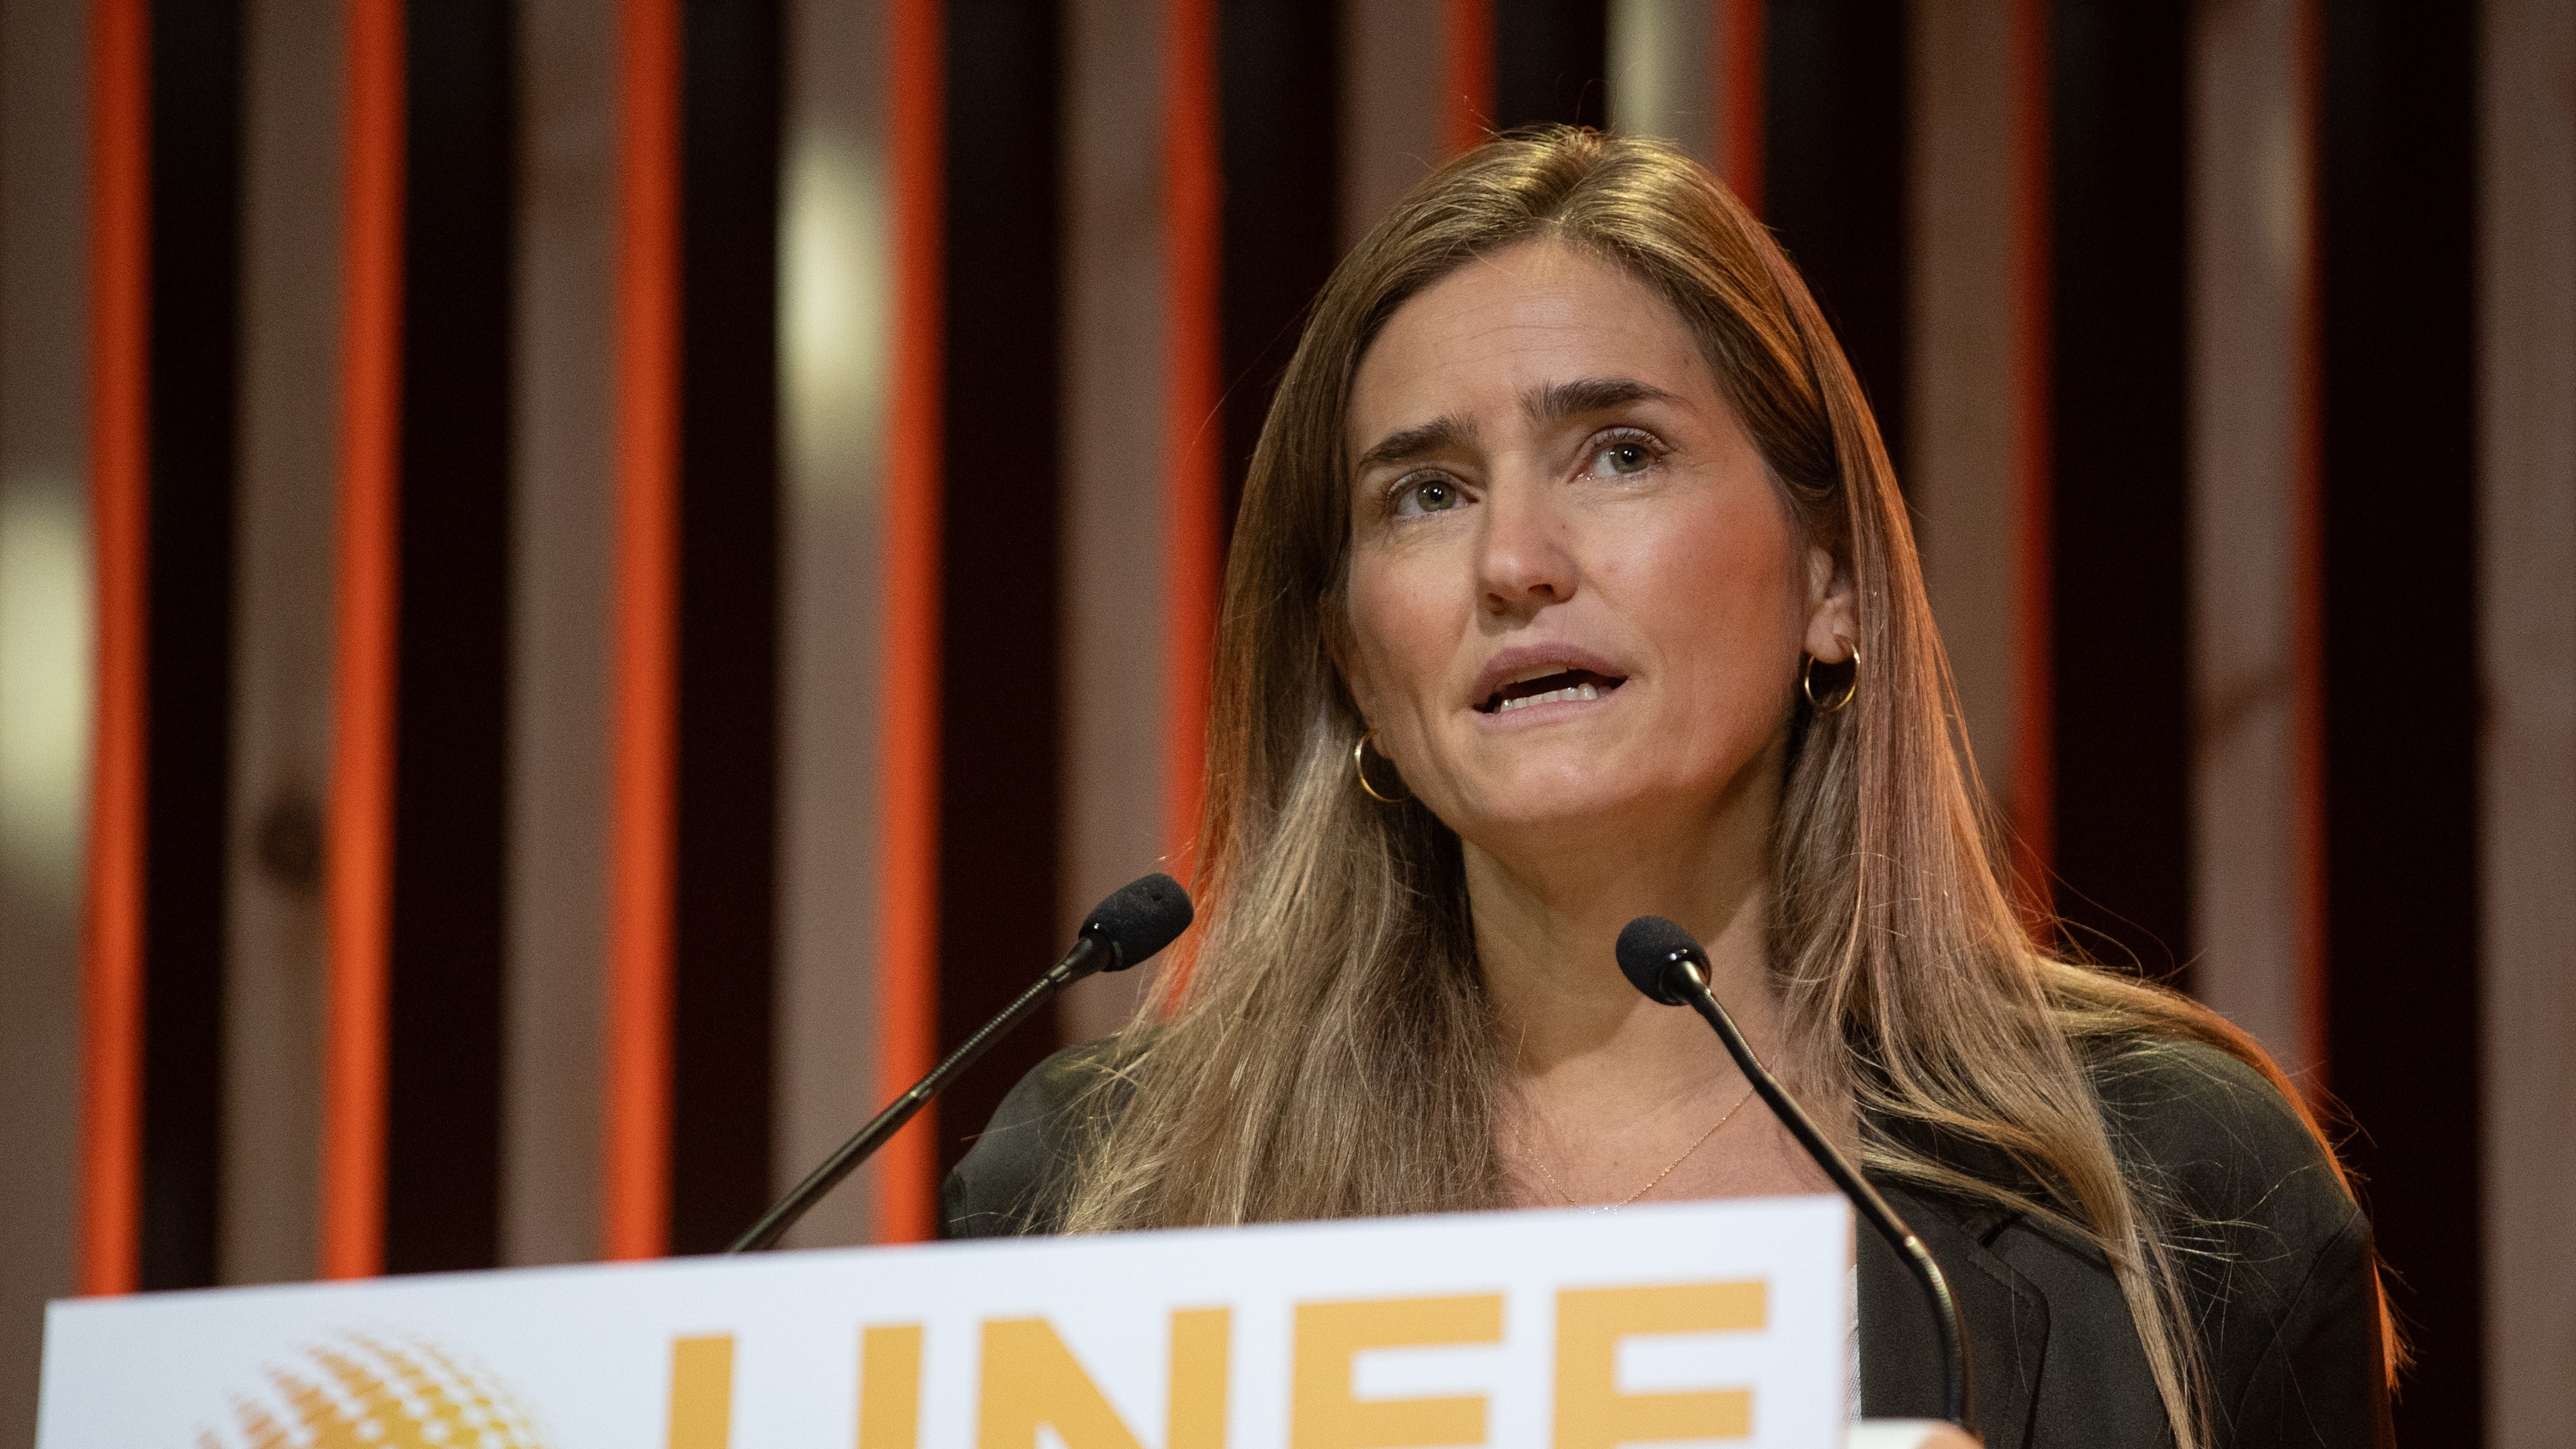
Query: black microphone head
point(1649, 948)
point(1140, 918)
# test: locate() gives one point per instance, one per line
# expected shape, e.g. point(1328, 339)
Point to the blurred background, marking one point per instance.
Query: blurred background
point(585, 584)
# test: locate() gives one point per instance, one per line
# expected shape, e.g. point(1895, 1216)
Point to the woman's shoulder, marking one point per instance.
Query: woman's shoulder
point(2213, 1134)
point(2275, 1260)
point(2276, 1253)
point(1005, 1185)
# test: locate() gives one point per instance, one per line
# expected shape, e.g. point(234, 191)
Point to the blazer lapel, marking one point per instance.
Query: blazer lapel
point(2007, 1320)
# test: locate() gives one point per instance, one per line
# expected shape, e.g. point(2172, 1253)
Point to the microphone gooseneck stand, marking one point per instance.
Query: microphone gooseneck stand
point(1141, 919)
point(1665, 962)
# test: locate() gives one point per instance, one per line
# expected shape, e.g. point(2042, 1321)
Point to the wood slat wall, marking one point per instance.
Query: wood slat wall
point(835, 353)
point(635, 1143)
point(563, 570)
point(49, 715)
point(909, 726)
point(294, 56)
point(2243, 387)
point(693, 919)
point(2257, 939)
point(454, 641)
point(2398, 392)
point(1120, 353)
point(120, 463)
point(358, 869)
point(2527, 651)
point(2119, 427)
point(1000, 678)
point(1199, 440)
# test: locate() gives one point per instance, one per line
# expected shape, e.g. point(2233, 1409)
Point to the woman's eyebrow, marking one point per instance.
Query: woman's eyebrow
point(1553, 403)
point(1559, 401)
point(1440, 435)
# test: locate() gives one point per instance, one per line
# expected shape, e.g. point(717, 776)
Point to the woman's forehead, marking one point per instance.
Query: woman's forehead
point(1504, 328)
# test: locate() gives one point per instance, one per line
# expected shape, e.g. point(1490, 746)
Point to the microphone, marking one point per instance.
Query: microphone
point(1660, 959)
point(1141, 918)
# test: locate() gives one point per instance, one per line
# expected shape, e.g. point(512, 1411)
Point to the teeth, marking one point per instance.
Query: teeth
point(1579, 691)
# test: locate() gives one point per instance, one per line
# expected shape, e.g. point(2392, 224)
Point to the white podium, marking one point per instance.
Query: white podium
point(1719, 1322)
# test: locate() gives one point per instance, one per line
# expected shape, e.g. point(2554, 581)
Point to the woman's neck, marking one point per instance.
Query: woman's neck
point(1611, 1091)
point(1545, 929)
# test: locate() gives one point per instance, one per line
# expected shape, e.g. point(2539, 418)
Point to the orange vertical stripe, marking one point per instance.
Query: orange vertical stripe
point(1467, 97)
point(120, 382)
point(636, 1145)
point(358, 884)
point(1193, 544)
point(2307, 564)
point(908, 886)
point(2034, 802)
point(1744, 31)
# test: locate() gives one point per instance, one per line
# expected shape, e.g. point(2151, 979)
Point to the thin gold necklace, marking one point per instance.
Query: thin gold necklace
point(1571, 1201)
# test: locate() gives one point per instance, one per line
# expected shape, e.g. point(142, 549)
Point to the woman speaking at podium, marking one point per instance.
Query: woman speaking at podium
point(1572, 584)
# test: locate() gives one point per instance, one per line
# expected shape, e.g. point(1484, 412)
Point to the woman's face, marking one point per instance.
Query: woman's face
point(1575, 593)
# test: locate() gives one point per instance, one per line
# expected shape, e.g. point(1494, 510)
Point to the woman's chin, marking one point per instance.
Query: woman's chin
point(1551, 815)
point(1541, 800)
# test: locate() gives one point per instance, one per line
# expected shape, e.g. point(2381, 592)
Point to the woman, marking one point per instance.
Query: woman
point(1572, 584)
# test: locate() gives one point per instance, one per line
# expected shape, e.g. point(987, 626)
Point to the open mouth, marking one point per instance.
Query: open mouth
point(1564, 684)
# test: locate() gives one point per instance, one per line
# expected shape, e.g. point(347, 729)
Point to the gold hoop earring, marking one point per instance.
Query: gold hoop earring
point(1359, 767)
point(1807, 683)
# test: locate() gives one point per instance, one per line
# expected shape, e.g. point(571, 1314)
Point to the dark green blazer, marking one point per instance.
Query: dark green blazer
point(2282, 1283)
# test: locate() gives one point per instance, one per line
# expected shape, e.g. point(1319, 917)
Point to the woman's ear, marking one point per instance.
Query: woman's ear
point(1343, 658)
point(1833, 615)
point(1361, 699)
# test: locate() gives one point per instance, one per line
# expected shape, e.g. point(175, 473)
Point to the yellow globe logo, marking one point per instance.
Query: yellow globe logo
point(377, 1391)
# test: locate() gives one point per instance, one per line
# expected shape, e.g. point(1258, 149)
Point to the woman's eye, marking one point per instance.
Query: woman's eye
point(1619, 459)
point(1422, 496)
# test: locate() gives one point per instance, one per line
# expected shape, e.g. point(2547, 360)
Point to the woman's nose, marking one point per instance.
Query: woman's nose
point(1525, 562)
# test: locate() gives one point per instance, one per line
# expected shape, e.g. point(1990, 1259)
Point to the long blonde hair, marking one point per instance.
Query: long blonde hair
point(1333, 1051)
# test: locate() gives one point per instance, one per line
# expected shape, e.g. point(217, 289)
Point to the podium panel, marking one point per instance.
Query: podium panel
point(1721, 1322)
